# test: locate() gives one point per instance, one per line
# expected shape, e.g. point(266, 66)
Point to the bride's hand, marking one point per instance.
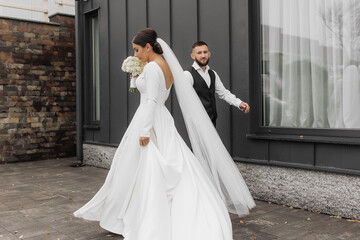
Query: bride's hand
point(144, 141)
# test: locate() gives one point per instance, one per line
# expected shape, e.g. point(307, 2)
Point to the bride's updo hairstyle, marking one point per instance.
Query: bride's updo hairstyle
point(148, 35)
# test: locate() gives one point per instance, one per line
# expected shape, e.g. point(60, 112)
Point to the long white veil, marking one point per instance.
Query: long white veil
point(206, 143)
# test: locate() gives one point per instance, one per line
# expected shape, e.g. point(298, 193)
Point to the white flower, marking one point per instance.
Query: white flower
point(133, 65)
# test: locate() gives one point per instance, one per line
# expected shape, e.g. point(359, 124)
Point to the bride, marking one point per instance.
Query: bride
point(157, 188)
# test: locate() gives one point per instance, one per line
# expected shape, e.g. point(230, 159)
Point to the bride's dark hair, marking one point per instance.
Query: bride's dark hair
point(147, 35)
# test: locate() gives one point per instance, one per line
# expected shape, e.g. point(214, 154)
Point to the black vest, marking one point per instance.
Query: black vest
point(206, 94)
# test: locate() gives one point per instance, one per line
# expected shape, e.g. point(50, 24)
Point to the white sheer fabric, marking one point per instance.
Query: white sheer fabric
point(311, 63)
point(206, 143)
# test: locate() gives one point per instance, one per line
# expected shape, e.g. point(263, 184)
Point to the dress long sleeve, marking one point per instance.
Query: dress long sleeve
point(151, 76)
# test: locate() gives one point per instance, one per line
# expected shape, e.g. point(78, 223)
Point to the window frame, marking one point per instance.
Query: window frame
point(90, 123)
point(258, 131)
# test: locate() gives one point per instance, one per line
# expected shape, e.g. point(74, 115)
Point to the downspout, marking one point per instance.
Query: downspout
point(79, 86)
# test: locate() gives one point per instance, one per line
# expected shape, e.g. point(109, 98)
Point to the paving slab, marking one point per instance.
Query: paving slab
point(37, 200)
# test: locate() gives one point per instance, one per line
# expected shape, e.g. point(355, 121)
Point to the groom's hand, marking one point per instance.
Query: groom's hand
point(245, 107)
point(144, 141)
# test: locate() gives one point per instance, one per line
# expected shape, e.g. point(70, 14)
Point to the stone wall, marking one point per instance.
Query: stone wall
point(37, 89)
point(331, 193)
point(98, 156)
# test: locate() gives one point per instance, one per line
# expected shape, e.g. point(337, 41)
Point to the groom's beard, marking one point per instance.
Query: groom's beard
point(202, 64)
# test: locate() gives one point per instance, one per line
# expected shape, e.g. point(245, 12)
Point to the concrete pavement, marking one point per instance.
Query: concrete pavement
point(37, 200)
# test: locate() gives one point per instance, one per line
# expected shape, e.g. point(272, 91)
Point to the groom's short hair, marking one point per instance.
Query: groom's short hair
point(198, 44)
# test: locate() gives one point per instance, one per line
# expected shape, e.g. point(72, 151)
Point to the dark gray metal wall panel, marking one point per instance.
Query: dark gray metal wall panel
point(253, 149)
point(240, 80)
point(214, 29)
point(338, 156)
point(98, 3)
point(159, 19)
point(118, 79)
point(136, 20)
point(183, 29)
point(103, 134)
point(88, 135)
point(292, 152)
point(87, 6)
point(183, 34)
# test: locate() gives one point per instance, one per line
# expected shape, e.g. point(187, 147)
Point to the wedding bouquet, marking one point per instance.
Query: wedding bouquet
point(134, 66)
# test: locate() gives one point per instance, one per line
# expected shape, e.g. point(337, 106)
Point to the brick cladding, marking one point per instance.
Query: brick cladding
point(37, 89)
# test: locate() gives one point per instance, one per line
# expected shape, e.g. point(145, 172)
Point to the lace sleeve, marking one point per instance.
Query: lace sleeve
point(151, 77)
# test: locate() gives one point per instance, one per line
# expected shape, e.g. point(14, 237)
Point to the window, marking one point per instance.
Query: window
point(92, 70)
point(310, 63)
point(95, 69)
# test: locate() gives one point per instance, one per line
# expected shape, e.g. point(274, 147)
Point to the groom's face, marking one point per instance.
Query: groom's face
point(201, 55)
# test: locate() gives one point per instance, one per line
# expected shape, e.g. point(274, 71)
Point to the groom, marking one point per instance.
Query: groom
point(206, 82)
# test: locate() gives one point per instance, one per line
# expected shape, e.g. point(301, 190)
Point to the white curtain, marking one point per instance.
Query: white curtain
point(311, 63)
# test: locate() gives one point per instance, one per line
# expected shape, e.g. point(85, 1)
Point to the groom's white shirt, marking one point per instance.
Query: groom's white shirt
point(220, 90)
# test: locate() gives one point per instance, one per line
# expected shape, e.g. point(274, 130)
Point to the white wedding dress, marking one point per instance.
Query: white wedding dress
point(164, 191)
point(160, 191)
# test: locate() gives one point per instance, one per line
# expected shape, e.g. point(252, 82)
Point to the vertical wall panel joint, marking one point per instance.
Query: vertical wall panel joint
point(109, 69)
point(198, 20)
point(127, 52)
point(147, 12)
point(230, 85)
